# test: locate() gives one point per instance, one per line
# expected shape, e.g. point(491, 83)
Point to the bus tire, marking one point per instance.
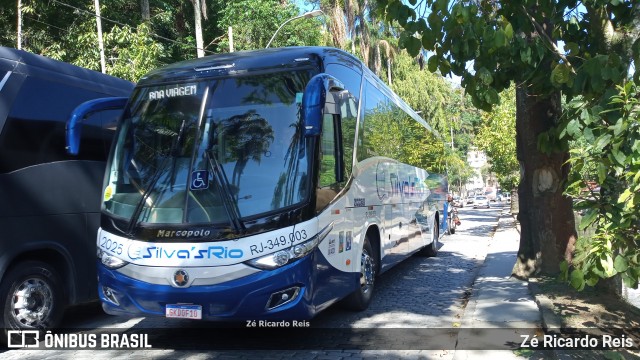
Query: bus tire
point(32, 298)
point(360, 299)
point(431, 250)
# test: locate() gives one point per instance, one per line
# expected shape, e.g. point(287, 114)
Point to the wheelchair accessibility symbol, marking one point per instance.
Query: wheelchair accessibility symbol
point(199, 180)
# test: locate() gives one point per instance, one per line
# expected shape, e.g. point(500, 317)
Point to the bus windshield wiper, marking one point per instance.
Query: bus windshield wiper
point(133, 222)
point(222, 183)
point(152, 184)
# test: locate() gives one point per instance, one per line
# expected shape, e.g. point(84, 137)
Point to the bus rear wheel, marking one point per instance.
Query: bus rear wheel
point(31, 297)
point(360, 299)
point(432, 249)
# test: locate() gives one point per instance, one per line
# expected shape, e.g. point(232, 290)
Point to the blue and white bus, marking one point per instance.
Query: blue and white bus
point(266, 184)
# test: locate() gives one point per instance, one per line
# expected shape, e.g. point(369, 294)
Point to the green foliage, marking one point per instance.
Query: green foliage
point(133, 47)
point(611, 210)
point(496, 139)
point(446, 109)
point(129, 53)
point(255, 21)
point(515, 42)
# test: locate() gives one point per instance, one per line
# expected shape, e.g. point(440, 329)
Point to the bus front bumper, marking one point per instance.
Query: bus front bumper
point(282, 294)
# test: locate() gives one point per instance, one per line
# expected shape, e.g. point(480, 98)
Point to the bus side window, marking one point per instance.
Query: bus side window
point(328, 161)
point(348, 114)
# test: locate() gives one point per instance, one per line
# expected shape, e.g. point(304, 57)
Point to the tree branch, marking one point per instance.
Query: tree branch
point(543, 34)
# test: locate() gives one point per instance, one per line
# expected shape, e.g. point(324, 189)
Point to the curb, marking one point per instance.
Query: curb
point(551, 322)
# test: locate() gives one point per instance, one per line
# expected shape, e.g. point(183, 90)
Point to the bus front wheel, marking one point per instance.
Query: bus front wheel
point(31, 297)
point(360, 299)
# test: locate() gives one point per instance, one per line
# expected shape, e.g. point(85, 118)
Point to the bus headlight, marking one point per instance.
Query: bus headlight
point(284, 257)
point(110, 261)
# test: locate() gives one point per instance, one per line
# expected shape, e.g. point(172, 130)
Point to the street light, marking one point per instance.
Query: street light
point(308, 15)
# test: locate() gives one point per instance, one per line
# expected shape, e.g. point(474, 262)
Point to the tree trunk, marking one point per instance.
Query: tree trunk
point(144, 8)
point(19, 41)
point(546, 217)
point(198, 19)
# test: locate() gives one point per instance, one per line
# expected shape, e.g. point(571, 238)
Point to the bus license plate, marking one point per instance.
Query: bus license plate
point(184, 311)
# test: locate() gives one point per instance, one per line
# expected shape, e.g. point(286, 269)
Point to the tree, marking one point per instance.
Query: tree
point(516, 42)
point(255, 22)
point(495, 138)
point(200, 11)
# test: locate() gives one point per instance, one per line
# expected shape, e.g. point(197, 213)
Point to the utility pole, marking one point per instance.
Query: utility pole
point(230, 39)
point(198, 14)
point(19, 47)
point(103, 64)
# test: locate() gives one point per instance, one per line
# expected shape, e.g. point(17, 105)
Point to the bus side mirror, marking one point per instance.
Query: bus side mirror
point(314, 102)
point(74, 124)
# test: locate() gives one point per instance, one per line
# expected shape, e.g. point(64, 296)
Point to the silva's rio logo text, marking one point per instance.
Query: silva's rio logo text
point(158, 252)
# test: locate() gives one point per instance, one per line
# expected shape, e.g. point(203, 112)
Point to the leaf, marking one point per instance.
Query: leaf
point(413, 46)
point(560, 74)
point(564, 270)
point(607, 265)
point(620, 264)
point(435, 22)
point(501, 39)
point(573, 48)
point(585, 116)
point(492, 97)
point(624, 196)
point(603, 141)
point(432, 63)
point(619, 156)
point(573, 128)
point(592, 279)
point(428, 40)
point(618, 127)
point(588, 135)
point(588, 218)
point(630, 281)
point(577, 280)
point(485, 76)
point(508, 31)
point(525, 55)
point(602, 173)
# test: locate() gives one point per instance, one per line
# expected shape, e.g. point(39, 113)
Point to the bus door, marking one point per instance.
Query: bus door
point(335, 210)
point(394, 240)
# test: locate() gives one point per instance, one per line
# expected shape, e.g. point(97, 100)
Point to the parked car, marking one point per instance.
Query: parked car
point(480, 201)
point(458, 202)
point(469, 200)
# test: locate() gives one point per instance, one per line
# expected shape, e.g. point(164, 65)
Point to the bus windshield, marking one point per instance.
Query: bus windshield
point(213, 151)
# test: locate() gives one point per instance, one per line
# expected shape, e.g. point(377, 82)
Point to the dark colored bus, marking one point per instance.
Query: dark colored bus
point(49, 200)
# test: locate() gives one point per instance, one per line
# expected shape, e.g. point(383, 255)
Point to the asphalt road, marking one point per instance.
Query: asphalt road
point(416, 305)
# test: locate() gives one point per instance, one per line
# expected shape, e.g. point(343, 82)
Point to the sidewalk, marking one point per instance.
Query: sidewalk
point(501, 309)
